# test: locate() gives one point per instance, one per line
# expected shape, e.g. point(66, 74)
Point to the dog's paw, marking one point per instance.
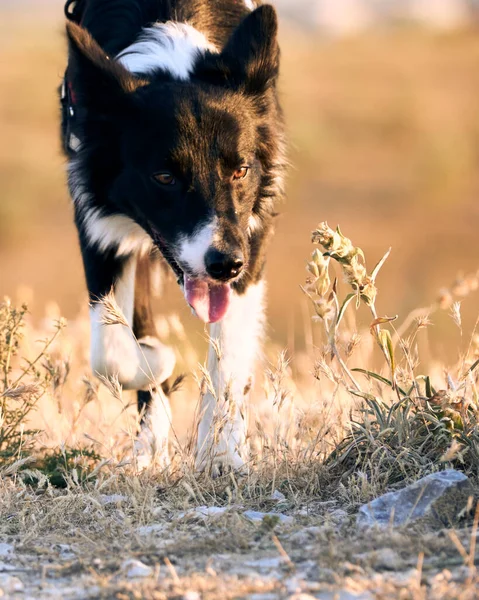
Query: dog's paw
point(149, 452)
point(220, 463)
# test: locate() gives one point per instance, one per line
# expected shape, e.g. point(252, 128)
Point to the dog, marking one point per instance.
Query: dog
point(175, 144)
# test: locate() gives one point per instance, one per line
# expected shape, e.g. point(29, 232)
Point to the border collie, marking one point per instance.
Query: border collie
point(172, 128)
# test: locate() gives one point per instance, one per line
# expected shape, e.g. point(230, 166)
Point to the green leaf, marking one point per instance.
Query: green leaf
point(471, 368)
point(387, 344)
point(363, 395)
point(429, 388)
point(429, 392)
point(379, 378)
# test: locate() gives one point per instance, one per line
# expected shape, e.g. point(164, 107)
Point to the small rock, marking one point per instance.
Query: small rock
point(257, 517)
point(65, 551)
point(112, 499)
point(149, 529)
point(203, 511)
point(191, 596)
point(266, 564)
point(386, 559)
point(135, 568)
point(344, 595)
point(6, 549)
point(338, 516)
point(437, 499)
point(293, 586)
point(5, 567)
point(327, 504)
point(211, 511)
point(10, 584)
point(278, 496)
point(306, 535)
point(301, 597)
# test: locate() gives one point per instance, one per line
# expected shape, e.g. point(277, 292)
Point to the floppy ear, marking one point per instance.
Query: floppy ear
point(95, 79)
point(250, 58)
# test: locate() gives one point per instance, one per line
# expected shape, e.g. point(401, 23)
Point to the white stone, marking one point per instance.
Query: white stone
point(191, 596)
point(6, 549)
point(10, 584)
point(425, 499)
point(149, 529)
point(203, 511)
point(112, 499)
point(135, 568)
point(257, 517)
point(266, 564)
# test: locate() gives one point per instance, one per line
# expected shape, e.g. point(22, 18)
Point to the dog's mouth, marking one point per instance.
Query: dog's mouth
point(210, 301)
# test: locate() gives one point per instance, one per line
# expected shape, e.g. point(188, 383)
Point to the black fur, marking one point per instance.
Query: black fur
point(201, 130)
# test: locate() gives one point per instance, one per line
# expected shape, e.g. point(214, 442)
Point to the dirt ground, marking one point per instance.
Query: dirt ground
point(138, 543)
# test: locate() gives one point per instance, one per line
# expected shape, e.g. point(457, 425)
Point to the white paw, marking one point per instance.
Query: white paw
point(151, 445)
point(149, 451)
point(217, 462)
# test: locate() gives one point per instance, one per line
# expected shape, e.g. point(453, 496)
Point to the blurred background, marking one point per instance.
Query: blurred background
point(382, 106)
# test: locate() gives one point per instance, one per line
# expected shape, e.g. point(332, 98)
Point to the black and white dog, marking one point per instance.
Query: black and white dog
point(175, 143)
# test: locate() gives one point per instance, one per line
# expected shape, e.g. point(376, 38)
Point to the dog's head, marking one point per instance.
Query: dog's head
point(194, 161)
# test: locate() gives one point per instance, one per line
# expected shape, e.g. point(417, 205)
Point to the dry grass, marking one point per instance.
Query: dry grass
point(377, 421)
point(384, 141)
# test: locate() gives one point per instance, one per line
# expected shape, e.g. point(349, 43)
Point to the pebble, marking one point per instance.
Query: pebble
point(387, 559)
point(257, 517)
point(135, 568)
point(149, 529)
point(10, 584)
point(338, 516)
point(203, 511)
point(266, 564)
point(344, 595)
point(6, 549)
point(191, 596)
point(112, 499)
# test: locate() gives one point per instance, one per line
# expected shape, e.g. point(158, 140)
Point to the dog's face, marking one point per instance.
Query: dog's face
point(192, 162)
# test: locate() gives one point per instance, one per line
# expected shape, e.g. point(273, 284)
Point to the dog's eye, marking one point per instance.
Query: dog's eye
point(241, 173)
point(165, 178)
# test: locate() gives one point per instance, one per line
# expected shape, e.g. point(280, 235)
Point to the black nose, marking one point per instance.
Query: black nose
point(223, 266)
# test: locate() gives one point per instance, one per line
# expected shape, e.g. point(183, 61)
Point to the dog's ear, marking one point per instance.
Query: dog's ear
point(250, 58)
point(95, 78)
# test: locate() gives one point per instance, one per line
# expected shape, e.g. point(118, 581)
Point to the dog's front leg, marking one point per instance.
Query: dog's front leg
point(234, 347)
point(129, 350)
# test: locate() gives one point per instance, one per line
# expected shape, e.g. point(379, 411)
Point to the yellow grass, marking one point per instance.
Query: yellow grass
point(383, 136)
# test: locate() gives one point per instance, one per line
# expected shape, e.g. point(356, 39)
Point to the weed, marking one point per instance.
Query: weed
point(20, 393)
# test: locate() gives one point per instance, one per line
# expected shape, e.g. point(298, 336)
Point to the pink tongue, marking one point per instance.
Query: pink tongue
point(210, 302)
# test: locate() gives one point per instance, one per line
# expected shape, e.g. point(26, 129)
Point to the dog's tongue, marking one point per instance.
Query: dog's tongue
point(209, 302)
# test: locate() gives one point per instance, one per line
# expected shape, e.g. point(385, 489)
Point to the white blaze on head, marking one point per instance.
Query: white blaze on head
point(193, 249)
point(171, 47)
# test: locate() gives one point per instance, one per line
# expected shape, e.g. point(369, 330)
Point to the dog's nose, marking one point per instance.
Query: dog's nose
point(223, 266)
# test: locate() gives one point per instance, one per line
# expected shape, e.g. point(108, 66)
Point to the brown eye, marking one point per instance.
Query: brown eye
point(241, 173)
point(165, 178)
